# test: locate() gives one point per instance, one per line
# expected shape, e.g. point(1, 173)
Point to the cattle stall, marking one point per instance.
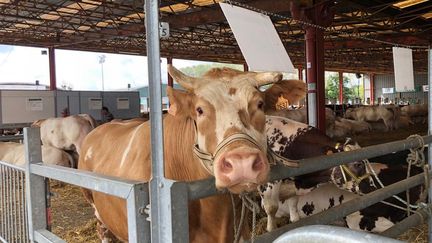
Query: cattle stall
point(136, 193)
point(168, 208)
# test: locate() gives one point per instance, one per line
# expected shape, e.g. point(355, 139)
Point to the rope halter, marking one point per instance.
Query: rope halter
point(207, 159)
point(357, 179)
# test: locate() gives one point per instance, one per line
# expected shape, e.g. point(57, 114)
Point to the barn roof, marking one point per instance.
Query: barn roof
point(199, 30)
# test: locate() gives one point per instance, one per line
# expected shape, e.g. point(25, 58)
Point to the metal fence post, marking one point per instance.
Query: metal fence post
point(35, 185)
point(139, 228)
point(160, 188)
point(430, 131)
point(180, 211)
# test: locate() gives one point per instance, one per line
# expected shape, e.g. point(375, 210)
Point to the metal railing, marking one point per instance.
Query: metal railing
point(11, 138)
point(13, 212)
point(135, 193)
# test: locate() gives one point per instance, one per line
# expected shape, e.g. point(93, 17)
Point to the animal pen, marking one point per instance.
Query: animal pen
point(158, 210)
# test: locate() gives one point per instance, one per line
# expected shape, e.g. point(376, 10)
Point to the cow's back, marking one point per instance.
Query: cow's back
point(117, 149)
point(14, 153)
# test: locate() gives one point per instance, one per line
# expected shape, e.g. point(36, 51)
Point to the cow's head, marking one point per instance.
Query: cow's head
point(349, 113)
point(222, 103)
point(350, 175)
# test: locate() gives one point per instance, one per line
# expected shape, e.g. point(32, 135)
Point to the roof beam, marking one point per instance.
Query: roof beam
point(215, 15)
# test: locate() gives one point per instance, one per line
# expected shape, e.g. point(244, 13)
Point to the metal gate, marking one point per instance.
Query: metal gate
point(13, 212)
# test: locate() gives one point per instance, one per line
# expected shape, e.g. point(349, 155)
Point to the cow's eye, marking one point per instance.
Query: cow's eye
point(199, 111)
point(260, 104)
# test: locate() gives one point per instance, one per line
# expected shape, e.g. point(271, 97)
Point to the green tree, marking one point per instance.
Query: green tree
point(332, 88)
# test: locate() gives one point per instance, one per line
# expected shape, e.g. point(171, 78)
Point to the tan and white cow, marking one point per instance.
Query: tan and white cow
point(14, 153)
point(300, 115)
point(222, 103)
point(65, 133)
point(374, 113)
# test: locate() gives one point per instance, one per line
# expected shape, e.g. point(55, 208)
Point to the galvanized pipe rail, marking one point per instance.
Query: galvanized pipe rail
point(346, 208)
point(420, 216)
point(430, 131)
point(11, 137)
point(333, 234)
point(205, 188)
point(135, 193)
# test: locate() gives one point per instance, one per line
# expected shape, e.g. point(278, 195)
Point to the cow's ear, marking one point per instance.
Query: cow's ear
point(291, 90)
point(37, 123)
point(180, 102)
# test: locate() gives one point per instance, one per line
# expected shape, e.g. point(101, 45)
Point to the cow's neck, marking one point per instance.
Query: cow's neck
point(211, 218)
point(180, 162)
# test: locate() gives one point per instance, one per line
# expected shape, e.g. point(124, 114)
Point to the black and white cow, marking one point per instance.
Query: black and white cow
point(295, 140)
point(322, 198)
point(293, 197)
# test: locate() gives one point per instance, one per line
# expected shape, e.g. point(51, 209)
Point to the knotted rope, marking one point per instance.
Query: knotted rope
point(416, 157)
point(250, 204)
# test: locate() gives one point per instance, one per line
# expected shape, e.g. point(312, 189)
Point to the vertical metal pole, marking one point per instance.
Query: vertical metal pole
point(341, 86)
point(311, 78)
point(52, 69)
point(160, 201)
point(35, 185)
point(138, 226)
point(372, 88)
point(245, 67)
point(430, 132)
point(170, 79)
point(300, 73)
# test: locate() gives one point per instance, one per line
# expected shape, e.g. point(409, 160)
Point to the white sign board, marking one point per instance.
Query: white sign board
point(122, 103)
point(95, 103)
point(425, 88)
point(387, 90)
point(258, 40)
point(34, 104)
point(403, 69)
point(164, 31)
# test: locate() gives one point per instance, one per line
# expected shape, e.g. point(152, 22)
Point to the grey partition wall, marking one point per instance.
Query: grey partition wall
point(91, 103)
point(67, 99)
point(25, 106)
point(123, 105)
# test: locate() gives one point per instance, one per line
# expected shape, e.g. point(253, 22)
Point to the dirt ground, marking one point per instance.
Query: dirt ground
point(73, 218)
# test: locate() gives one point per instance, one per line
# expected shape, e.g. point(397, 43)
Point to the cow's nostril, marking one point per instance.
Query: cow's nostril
point(257, 164)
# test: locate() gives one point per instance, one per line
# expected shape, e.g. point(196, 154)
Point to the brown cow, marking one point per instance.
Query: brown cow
point(214, 107)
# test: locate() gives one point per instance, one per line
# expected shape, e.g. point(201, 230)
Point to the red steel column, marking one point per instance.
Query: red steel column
point(320, 14)
point(300, 73)
point(52, 70)
point(372, 88)
point(341, 86)
point(170, 79)
point(245, 67)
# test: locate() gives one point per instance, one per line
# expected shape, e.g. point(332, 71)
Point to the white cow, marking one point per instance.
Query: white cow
point(65, 133)
point(14, 153)
point(374, 113)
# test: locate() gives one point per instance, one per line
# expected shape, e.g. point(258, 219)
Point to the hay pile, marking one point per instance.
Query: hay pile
point(416, 235)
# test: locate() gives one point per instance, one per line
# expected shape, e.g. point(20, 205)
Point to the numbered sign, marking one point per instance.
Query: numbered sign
point(164, 30)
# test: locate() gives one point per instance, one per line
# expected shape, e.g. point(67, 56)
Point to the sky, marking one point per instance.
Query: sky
point(80, 70)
